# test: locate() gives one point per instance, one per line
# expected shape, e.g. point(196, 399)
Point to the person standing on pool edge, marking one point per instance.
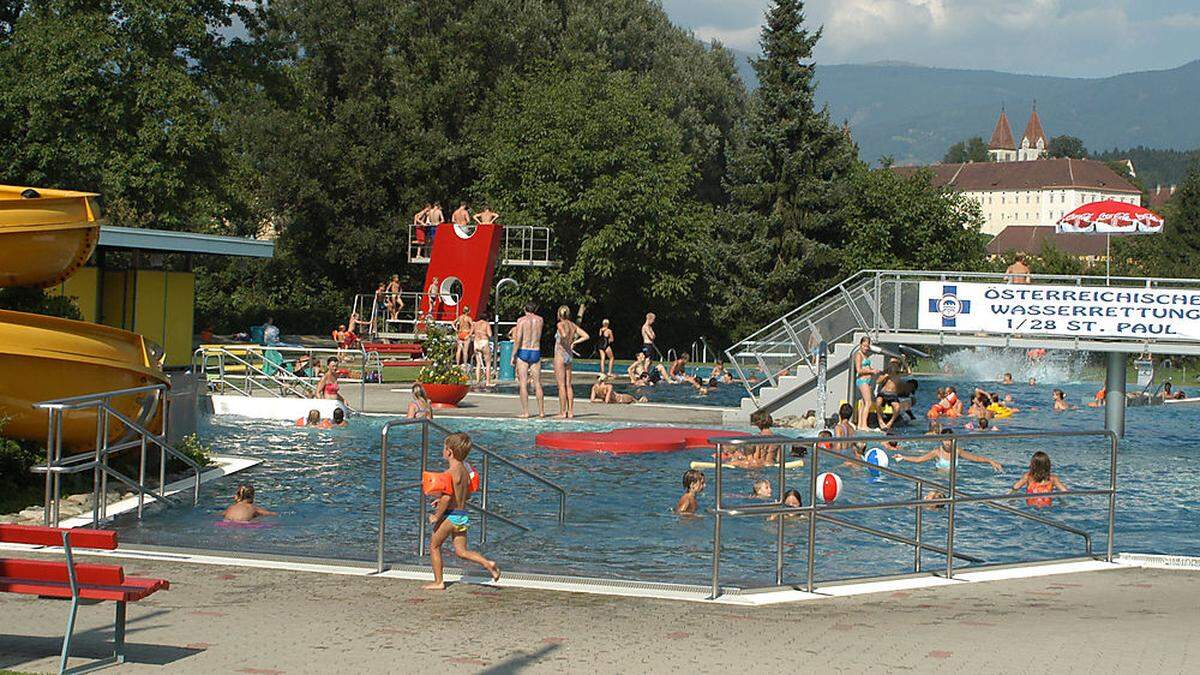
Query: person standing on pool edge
point(527, 338)
point(450, 518)
point(648, 336)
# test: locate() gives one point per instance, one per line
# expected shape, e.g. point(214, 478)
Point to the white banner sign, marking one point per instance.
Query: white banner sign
point(1072, 311)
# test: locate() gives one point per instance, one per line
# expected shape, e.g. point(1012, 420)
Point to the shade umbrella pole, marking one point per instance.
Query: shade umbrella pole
point(1107, 258)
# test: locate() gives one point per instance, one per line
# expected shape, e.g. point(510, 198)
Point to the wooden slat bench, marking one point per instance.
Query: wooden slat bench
point(74, 581)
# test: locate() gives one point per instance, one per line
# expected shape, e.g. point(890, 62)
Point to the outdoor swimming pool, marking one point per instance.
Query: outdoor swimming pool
point(619, 524)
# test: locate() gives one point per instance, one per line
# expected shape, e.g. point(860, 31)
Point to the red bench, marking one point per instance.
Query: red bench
point(410, 349)
point(78, 582)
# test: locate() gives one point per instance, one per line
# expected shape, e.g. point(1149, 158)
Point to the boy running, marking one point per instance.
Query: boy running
point(450, 517)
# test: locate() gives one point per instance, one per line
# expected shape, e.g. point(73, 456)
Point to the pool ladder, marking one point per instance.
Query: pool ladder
point(484, 486)
point(953, 496)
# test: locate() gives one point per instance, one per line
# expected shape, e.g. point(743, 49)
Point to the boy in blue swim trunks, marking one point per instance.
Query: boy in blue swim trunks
point(450, 517)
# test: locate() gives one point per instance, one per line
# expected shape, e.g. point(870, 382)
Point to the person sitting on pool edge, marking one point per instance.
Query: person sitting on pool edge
point(603, 392)
point(450, 518)
point(243, 509)
point(693, 485)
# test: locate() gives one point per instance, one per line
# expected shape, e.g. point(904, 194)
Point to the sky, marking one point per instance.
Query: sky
point(1073, 38)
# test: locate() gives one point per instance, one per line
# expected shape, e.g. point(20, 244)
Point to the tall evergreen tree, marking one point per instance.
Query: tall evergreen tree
point(788, 182)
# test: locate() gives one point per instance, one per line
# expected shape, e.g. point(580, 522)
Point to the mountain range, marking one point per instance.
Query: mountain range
point(914, 113)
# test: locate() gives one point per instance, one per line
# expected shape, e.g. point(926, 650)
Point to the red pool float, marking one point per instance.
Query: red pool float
point(632, 440)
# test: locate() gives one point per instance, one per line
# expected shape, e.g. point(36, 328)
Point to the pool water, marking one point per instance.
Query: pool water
point(619, 520)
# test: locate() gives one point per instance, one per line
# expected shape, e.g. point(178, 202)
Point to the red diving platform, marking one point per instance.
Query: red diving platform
point(633, 440)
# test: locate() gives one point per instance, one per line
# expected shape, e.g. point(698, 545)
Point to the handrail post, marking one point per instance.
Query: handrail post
point(918, 527)
point(49, 463)
point(483, 500)
point(716, 560)
point(950, 509)
point(815, 453)
point(383, 457)
point(142, 478)
point(779, 521)
point(58, 424)
point(420, 496)
point(1112, 494)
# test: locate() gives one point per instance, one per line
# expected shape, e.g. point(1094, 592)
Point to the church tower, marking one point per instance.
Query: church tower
point(1002, 148)
point(1034, 144)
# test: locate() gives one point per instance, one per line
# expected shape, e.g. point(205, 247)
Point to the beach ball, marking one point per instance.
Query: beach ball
point(878, 457)
point(829, 487)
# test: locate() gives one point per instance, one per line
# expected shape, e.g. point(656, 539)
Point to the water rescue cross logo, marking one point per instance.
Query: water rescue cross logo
point(949, 306)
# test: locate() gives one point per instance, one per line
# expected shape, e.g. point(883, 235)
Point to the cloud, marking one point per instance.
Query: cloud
point(1058, 37)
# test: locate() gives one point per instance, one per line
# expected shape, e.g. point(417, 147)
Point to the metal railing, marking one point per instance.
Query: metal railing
point(873, 302)
point(396, 320)
point(953, 497)
point(246, 369)
point(522, 246)
point(135, 435)
point(484, 485)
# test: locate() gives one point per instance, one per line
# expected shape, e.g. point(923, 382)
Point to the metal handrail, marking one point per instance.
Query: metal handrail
point(289, 380)
point(140, 437)
point(414, 315)
point(484, 485)
point(954, 496)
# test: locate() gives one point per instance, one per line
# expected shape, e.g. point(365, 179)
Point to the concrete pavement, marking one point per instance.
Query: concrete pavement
point(219, 619)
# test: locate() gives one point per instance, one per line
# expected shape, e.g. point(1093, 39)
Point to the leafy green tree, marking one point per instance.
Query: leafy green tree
point(788, 180)
point(1067, 146)
point(971, 150)
point(117, 96)
point(906, 222)
point(1175, 252)
point(591, 155)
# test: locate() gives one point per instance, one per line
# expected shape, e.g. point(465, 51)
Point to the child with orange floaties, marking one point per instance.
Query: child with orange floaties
point(450, 518)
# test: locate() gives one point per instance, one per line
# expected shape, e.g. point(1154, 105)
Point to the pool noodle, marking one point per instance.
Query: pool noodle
point(792, 464)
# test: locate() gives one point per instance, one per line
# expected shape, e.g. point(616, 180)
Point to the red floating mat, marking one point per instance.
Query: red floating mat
point(632, 440)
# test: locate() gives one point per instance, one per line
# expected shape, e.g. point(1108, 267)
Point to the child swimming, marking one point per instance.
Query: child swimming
point(311, 420)
point(1039, 479)
point(243, 509)
point(1060, 400)
point(791, 499)
point(450, 518)
point(762, 489)
point(941, 456)
point(693, 485)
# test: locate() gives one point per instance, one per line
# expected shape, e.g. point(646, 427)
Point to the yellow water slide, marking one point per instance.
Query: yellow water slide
point(45, 236)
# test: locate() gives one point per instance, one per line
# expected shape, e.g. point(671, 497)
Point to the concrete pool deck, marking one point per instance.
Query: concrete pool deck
point(236, 619)
point(394, 399)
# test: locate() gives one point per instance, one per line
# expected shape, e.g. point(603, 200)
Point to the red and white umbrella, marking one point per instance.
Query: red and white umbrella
point(1108, 218)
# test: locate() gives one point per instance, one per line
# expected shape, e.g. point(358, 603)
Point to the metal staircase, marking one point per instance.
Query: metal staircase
point(780, 363)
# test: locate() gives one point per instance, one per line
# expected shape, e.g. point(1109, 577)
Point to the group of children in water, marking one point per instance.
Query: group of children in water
point(1038, 479)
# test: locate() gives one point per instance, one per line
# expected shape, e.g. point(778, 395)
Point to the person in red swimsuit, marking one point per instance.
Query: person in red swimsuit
point(1039, 480)
point(327, 386)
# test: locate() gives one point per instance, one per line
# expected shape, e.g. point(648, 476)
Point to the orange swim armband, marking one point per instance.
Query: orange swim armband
point(442, 483)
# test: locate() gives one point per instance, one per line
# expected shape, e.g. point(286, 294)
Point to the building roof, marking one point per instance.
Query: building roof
point(1031, 238)
point(112, 236)
point(1159, 197)
point(1033, 131)
point(1002, 138)
point(1038, 174)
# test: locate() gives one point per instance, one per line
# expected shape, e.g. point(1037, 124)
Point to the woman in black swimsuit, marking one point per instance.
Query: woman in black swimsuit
point(604, 346)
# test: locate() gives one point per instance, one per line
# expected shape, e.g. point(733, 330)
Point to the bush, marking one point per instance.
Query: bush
point(195, 450)
point(439, 350)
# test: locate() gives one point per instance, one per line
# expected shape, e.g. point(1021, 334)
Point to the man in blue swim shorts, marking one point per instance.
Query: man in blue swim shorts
point(527, 337)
